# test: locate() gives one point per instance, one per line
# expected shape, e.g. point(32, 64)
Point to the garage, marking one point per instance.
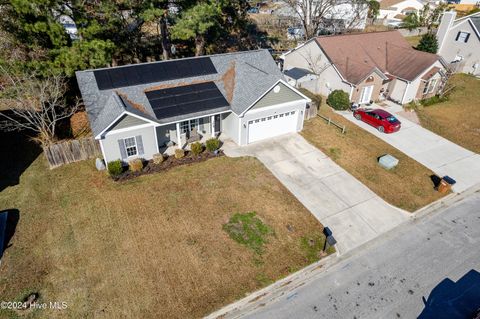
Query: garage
point(273, 125)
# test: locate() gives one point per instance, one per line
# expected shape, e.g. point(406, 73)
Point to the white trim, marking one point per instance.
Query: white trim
point(179, 135)
point(156, 138)
point(471, 25)
point(351, 93)
point(99, 135)
point(128, 129)
point(212, 125)
point(103, 153)
point(266, 92)
point(272, 107)
point(192, 118)
point(239, 130)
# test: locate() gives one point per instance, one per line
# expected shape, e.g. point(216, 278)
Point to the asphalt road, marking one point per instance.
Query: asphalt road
point(428, 268)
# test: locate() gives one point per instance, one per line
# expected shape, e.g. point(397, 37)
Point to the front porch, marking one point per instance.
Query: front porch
point(183, 133)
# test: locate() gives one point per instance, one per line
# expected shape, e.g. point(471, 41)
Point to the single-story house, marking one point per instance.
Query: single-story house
point(368, 66)
point(136, 111)
point(459, 42)
point(396, 10)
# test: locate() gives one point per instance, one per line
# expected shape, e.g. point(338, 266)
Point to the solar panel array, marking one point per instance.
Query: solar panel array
point(153, 72)
point(186, 99)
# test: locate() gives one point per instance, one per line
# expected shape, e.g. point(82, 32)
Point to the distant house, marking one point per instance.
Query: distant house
point(397, 10)
point(368, 66)
point(459, 42)
point(140, 110)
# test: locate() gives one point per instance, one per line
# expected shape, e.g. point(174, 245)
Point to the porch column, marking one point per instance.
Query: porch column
point(179, 136)
point(212, 124)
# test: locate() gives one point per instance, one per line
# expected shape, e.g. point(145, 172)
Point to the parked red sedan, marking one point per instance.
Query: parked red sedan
point(381, 119)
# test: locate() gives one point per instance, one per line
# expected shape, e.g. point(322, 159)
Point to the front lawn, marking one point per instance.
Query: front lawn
point(154, 246)
point(407, 186)
point(457, 119)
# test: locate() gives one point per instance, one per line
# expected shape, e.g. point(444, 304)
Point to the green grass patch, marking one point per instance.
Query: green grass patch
point(313, 247)
point(249, 230)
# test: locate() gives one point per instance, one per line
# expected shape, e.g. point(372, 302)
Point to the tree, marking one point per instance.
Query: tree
point(314, 14)
point(428, 43)
point(426, 17)
point(34, 104)
point(195, 23)
point(373, 9)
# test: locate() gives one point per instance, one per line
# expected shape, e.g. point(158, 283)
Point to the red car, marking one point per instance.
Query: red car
point(381, 119)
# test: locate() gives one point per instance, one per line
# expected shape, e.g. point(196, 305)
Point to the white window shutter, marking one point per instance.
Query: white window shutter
point(123, 151)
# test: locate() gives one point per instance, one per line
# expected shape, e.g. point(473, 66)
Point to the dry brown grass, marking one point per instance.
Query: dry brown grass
point(413, 40)
point(457, 119)
point(152, 247)
point(407, 186)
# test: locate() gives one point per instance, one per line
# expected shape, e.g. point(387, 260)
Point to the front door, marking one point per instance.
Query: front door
point(216, 124)
point(366, 95)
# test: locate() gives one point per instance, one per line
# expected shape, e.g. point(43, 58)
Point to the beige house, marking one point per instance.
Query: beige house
point(459, 42)
point(368, 66)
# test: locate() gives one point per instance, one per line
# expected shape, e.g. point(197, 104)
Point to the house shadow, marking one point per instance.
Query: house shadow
point(19, 153)
point(8, 224)
point(454, 300)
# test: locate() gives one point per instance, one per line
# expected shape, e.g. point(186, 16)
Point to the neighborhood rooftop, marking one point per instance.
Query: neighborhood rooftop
point(357, 55)
point(163, 91)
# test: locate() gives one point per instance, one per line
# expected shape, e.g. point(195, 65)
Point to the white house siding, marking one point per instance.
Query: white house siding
point(470, 51)
point(397, 89)
point(112, 149)
point(297, 106)
point(230, 126)
point(415, 84)
point(399, 9)
point(311, 57)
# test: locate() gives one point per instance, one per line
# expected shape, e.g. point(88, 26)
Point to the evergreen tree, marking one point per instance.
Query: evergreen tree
point(428, 43)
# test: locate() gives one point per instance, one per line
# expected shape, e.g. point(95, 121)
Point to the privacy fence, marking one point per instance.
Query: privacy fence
point(71, 151)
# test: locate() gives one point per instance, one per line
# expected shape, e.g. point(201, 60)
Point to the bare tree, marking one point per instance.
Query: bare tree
point(314, 14)
point(33, 104)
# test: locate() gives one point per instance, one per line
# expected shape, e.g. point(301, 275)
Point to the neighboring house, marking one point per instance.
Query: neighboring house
point(139, 110)
point(368, 66)
point(459, 42)
point(397, 10)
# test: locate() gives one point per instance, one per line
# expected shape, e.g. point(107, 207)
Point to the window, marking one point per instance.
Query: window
point(275, 116)
point(184, 127)
point(269, 118)
point(187, 126)
point(462, 36)
point(430, 86)
point(281, 115)
point(130, 146)
point(292, 112)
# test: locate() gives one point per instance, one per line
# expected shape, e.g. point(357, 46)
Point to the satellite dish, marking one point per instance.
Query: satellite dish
point(276, 89)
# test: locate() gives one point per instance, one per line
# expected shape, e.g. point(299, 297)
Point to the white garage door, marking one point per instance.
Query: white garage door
point(272, 125)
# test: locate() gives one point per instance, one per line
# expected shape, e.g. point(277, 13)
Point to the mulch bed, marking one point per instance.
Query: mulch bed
point(150, 167)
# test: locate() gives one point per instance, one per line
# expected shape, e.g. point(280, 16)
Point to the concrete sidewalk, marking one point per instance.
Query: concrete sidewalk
point(433, 151)
point(338, 200)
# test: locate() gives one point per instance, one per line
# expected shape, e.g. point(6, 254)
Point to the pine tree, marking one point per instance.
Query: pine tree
point(428, 43)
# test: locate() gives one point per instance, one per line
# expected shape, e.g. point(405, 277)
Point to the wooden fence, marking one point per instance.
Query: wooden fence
point(71, 151)
point(329, 121)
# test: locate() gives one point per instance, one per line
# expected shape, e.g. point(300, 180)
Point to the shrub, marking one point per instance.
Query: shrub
point(339, 100)
point(158, 158)
point(179, 153)
point(115, 168)
point(135, 165)
point(212, 144)
point(433, 100)
point(196, 148)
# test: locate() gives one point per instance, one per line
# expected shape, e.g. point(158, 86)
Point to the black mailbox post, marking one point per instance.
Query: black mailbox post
point(329, 239)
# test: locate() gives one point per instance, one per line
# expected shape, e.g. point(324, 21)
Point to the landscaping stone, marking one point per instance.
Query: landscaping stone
point(388, 161)
point(100, 164)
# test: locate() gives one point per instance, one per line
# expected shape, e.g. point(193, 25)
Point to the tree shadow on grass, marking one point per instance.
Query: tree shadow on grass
point(18, 153)
point(454, 300)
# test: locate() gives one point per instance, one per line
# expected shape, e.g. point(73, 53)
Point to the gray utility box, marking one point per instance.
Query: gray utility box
point(388, 161)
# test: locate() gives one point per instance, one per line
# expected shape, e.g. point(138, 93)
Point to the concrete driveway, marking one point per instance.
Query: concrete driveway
point(351, 210)
point(433, 151)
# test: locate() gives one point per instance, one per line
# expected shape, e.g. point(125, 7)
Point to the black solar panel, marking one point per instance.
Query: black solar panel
point(186, 99)
point(153, 72)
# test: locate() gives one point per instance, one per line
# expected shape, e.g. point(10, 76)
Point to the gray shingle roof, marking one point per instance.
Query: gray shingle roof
point(242, 77)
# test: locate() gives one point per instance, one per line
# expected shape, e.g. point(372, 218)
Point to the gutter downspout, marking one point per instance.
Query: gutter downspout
point(351, 93)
